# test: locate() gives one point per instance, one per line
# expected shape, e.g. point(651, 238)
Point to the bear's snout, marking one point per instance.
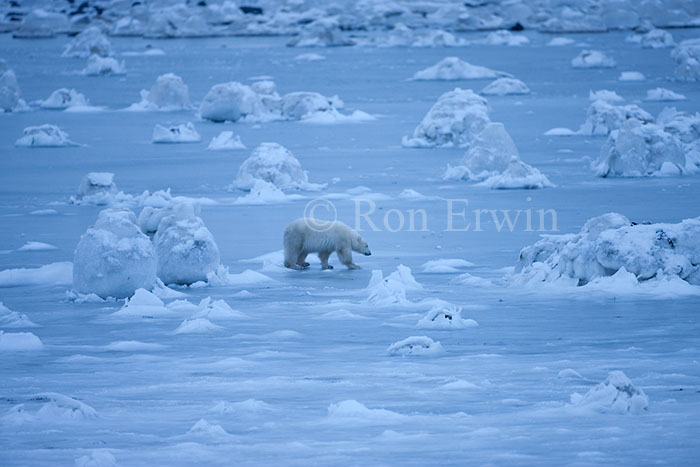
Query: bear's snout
point(368, 253)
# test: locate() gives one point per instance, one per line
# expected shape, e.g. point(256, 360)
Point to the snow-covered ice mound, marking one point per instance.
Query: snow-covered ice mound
point(225, 141)
point(592, 59)
point(275, 164)
point(631, 76)
point(114, 258)
point(40, 23)
point(352, 411)
point(505, 37)
point(517, 175)
point(654, 39)
point(603, 117)
point(48, 275)
point(183, 133)
point(325, 32)
point(89, 42)
point(686, 127)
point(9, 90)
point(97, 66)
point(454, 120)
point(616, 394)
point(197, 326)
point(13, 319)
point(452, 68)
point(402, 36)
point(185, 248)
point(505, 86)
point(44, 136)
point(300, 105)
point(63, 98)
point(560, 42)
point(96, 188)
point(687, 58)
point(168, 93)
point(260, 102)
point(309, 57)
point(640, 149)
point(19, 342)
point(445, 317)
point(392, 289)
point(610, 244)
point(663, 94)
point(445, 266)
point(494, 160)
point(263, 192)
point(232, 101)
point(97, 458)
point(489, 154)
point(604, 95)
point(141, 305)
point(416, 345)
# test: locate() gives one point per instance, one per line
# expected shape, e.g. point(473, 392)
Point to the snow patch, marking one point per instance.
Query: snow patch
point(416, 345)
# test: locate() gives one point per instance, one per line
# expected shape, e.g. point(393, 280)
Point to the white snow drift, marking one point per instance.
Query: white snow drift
point(610, 244)
point(114, 258)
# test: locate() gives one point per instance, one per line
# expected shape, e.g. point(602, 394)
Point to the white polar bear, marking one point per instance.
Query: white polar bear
point(307, 235)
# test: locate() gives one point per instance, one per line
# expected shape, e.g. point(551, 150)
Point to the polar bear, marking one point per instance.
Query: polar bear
point(308, 235)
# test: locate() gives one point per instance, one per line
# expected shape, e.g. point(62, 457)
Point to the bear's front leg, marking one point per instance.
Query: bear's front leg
point(345, 257)
point(323, 256)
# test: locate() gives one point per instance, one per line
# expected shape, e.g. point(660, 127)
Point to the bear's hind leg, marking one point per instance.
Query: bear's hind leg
point(301, 260)
point(323, 256)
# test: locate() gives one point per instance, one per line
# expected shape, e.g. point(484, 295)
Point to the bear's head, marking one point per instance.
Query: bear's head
point(360, 245)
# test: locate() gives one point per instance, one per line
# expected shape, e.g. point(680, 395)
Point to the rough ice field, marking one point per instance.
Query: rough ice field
point(303, 373)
